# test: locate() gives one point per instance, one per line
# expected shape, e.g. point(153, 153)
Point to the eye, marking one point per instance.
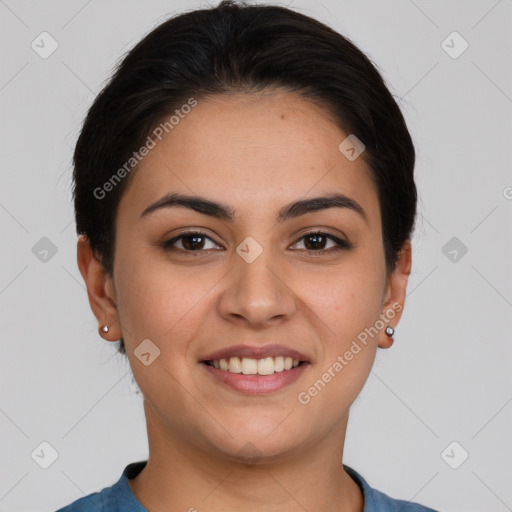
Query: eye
point(315, 241)
point(191, 241)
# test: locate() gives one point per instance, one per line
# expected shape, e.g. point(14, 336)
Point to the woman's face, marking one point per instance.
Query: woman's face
point(253, 280)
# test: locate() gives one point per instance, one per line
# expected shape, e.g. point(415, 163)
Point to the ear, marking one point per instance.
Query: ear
point(394, 294)
point(100, 289)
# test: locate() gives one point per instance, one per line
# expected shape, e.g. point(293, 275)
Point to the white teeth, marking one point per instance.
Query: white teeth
point(266, 366)
point(278, 364)
point(247, 366)
point(235, 365)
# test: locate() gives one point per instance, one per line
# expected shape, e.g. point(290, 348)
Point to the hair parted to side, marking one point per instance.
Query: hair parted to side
point(237, 47)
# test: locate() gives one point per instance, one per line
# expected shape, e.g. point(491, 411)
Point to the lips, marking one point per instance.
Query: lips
point(255, 370)
point(254, 352)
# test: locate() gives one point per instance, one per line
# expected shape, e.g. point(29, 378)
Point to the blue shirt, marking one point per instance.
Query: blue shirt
point(120, 498)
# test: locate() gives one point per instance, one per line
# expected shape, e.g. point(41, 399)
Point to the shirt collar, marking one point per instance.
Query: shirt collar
point(127, 499)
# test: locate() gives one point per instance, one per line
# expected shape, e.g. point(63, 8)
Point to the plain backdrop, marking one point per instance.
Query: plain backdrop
point(433, 422)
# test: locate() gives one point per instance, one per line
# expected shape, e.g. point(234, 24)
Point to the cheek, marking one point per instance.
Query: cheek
point(156, 301)
point(348, 305)
point(166, 306)
point(347, 311)
point(347, 301)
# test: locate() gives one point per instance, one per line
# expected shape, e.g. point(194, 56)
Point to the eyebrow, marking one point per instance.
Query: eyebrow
point(225, 212)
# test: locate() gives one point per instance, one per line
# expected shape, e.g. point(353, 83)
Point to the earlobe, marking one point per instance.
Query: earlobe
point(99, 290)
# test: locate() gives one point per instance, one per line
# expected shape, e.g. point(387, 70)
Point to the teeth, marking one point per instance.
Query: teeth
point(266, 366)
point(235, 365)
point(247, 366)
point(278, 364)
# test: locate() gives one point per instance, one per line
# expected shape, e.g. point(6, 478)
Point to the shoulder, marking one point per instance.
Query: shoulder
point(116, 498)
point(95, 501)
point(383, 502)
point(377, 501)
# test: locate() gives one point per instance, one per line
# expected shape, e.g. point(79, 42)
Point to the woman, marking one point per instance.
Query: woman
point(245, 200)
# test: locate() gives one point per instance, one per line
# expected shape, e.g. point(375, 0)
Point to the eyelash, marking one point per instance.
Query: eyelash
point(340, 244)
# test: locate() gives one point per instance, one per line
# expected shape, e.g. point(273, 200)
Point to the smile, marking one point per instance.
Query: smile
point(255, 370)
point(248, 366)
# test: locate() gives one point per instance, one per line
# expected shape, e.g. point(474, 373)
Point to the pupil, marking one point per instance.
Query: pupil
point(194, 244)
point(315, 237)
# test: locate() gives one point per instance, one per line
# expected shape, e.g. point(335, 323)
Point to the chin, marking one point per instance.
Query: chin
point(256, 446)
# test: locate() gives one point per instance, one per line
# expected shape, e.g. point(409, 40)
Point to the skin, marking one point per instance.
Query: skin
point(271, 149)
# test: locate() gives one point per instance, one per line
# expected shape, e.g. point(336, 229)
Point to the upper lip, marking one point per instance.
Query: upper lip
point(254, 352)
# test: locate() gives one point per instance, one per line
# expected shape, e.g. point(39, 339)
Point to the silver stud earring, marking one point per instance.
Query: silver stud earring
point(390, 331)
point(105, 328)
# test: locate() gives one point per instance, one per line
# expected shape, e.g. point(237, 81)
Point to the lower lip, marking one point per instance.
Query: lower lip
point(257, 384)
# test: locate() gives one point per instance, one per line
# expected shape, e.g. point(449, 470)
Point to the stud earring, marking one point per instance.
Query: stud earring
point(390, 331)
point(105, 328)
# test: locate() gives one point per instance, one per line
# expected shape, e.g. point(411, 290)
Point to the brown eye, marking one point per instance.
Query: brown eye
point(316, 241)
point(191, 241)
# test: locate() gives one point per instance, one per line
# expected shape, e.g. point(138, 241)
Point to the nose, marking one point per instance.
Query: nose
point(257, 293)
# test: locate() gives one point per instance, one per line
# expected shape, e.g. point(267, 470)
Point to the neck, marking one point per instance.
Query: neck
point(181, 476)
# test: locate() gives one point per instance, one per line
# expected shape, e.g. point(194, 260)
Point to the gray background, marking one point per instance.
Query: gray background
point(447, 377)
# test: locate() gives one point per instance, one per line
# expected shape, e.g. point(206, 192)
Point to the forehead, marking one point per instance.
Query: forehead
point(255, 150)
